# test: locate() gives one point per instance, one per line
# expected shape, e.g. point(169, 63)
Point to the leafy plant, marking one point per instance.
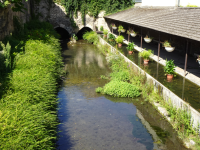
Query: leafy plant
point(146, 54)
point(119, 39)
point(101, 28)
point(120, 28)
point(113, 25)
point(75, 37)
point(130, 46)
point(105, 32)
point(120, 89)
point(91, 37)
point(132, 31)
point(166, 43)
point(111, 37)
point(169, 68)
point(148, 37)
point(189, 5)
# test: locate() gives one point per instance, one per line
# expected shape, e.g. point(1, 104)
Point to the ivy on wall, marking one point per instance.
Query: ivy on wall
point(93, 7)
point(18, 5)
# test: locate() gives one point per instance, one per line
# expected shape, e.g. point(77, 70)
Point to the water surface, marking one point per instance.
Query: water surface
point(91, 121)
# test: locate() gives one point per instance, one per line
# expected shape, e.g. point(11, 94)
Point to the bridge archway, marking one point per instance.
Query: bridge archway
point(82, 31)
point(64, 34)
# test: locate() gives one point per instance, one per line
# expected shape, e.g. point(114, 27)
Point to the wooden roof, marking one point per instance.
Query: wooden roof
point(184, 22)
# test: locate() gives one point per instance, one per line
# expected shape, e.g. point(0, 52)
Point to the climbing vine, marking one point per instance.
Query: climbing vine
point(93, 7)
point(18, 5)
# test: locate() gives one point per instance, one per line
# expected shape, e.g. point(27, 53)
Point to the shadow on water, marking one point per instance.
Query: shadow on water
point(64, 139)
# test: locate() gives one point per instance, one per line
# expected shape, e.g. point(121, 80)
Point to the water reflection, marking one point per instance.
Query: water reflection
point(94, 121)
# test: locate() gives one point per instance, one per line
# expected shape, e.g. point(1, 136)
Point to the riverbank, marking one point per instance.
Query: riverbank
point(180, 119)
point(28, 108)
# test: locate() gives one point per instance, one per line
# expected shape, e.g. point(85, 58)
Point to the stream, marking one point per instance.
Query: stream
point(91, 121)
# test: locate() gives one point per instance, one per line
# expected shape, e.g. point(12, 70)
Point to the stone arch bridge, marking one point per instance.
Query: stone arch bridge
point(57, 16)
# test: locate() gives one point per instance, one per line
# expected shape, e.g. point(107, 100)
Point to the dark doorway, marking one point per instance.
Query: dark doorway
point(82, 31)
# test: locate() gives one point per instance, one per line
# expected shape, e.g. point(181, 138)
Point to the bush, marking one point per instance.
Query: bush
point(91, 37)
point(120, 89)
point(105, 32)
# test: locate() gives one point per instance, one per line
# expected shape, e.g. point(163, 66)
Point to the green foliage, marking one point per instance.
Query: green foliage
point(189, 5)
point(101, 28)
point(18, 5)
point(130, 46)
point(105, 32)
point(123, 75)
point(91, 37)
point(146, 54)
point(167, 44)
point(169, 68)
point(28, 107)
point(75, 37)
point(119, 39)
point(120, 28)
point(120, 89)
point(93, 7)
point(111, 37)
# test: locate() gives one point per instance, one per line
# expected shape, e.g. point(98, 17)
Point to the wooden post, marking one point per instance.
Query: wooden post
point(186, 56)
point(141, 38)
point(159, 47)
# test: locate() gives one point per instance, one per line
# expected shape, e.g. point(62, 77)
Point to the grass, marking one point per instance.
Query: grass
point(28, 115)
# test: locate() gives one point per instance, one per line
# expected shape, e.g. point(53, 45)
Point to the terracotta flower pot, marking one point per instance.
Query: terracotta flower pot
point(104, 36)
point(146, 61)
point(130, 52)
point(170, 77)
point(119, 44)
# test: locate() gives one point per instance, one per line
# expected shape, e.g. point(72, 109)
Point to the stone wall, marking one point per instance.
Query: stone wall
point(57, 16)
point(6, 19)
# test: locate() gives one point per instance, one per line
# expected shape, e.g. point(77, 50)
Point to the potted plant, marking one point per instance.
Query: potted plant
point(119, 40)
point(168, 46)
point(111, 37)
point(133, 33)
point(105, 32)
point(113, 26)
point(123, 30)
point(130, 47)
point(120, 29)
point(169, 70)
point(145, 55)
point(148, 39)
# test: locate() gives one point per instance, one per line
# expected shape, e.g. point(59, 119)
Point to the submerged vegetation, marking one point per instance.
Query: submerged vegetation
point(28, 116)
point(124, 77)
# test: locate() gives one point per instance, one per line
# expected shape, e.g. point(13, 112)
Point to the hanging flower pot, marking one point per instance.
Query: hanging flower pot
point(123, 30)
point(148, 39)
point(198, 59)
point(133, 34)
point(114, 28)
point(168, 46)
point(169, 49)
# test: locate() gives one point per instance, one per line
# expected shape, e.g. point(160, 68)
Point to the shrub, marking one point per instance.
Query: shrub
point(121, 76)
point(120, 89)
point(91, 37)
